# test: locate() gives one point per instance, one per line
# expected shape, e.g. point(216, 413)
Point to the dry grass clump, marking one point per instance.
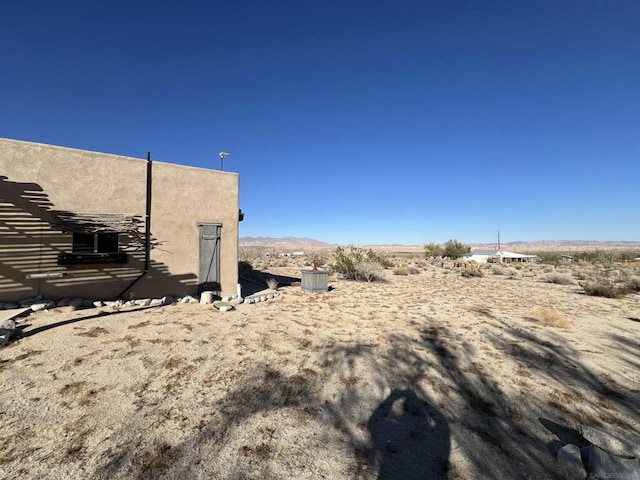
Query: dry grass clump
point(472, 270)
point(94, 332)
point(154, 461)
point(497, 270)
point(272, 283)
point(551, 317)
point(558, 278)
point(81, 392)
point(359, 264)
point(400, 271)
point(602, 286)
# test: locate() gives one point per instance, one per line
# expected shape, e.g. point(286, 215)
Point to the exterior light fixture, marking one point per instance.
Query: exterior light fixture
point(223, 155)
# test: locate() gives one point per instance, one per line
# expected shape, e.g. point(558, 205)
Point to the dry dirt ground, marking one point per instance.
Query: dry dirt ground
point(429, 375)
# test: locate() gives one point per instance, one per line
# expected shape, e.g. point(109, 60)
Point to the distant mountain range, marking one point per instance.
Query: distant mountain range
point(538, 245)
point(291, 242)
point(566, 245)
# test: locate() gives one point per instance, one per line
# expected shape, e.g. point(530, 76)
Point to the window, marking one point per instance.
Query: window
point(93, 248)
point(95, 243)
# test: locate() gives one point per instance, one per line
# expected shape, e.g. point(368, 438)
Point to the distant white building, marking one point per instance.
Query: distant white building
point(498, 256)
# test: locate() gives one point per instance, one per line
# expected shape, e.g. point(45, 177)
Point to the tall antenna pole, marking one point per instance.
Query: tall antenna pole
point(499, 246)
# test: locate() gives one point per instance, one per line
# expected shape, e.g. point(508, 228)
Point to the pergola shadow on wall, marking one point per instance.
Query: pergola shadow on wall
point(34, 236)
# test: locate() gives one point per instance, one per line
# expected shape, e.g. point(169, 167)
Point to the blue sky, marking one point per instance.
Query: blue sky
point(353, 122)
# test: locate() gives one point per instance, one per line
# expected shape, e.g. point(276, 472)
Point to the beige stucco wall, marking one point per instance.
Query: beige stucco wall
point(44, 177)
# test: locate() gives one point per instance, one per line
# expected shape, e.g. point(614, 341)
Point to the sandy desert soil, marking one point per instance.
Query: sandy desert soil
point(429, 375)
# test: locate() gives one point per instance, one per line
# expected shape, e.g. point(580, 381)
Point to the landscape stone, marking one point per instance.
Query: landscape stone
point(206, 298)
point(27, 302)
point(226, 299)
point(9, 324)
point(63, 303)
point(98, 304)
point(156, 302)
point(263, 298)
point(143, 301)
point(606, 465)
point(571, 462)
point(609, 443)
point(43, 304)
point(76, 302)
point(36, 307)
point(167, 300)
point(5, 336)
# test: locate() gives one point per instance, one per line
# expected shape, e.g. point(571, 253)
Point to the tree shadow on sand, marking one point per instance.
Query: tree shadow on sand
point(426, 399)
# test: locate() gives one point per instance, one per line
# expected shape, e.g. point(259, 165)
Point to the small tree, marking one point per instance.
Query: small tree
point(607, 257)
point(454, 249)
point(432, 250)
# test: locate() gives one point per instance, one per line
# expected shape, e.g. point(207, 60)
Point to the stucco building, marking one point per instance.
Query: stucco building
point(73, 223)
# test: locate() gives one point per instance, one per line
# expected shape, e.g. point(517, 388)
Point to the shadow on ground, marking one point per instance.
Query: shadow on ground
point(425, 399)
point(254, 281)
point(410, 438)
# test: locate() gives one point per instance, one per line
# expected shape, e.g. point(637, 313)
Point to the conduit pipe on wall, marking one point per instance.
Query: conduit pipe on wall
point(147, 230)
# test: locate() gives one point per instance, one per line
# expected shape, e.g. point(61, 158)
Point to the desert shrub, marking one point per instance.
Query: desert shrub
point(433, 250)
point(368, 271)
point(472, 269)
point(400, 271)
point(634, 284)
point(413, 270)
point(358, 264)
point(385, 262)
point(497, 270)
point(607, 257)
point(551, 317)
point(272, 283)
point(604, 286)
point(588, 257)
point(550, 258)
point(319, 259)
point(247, 256)
point(454, 249)
point(242, 265)
point(628, 255)
point(579, 275)
point(559, 278)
